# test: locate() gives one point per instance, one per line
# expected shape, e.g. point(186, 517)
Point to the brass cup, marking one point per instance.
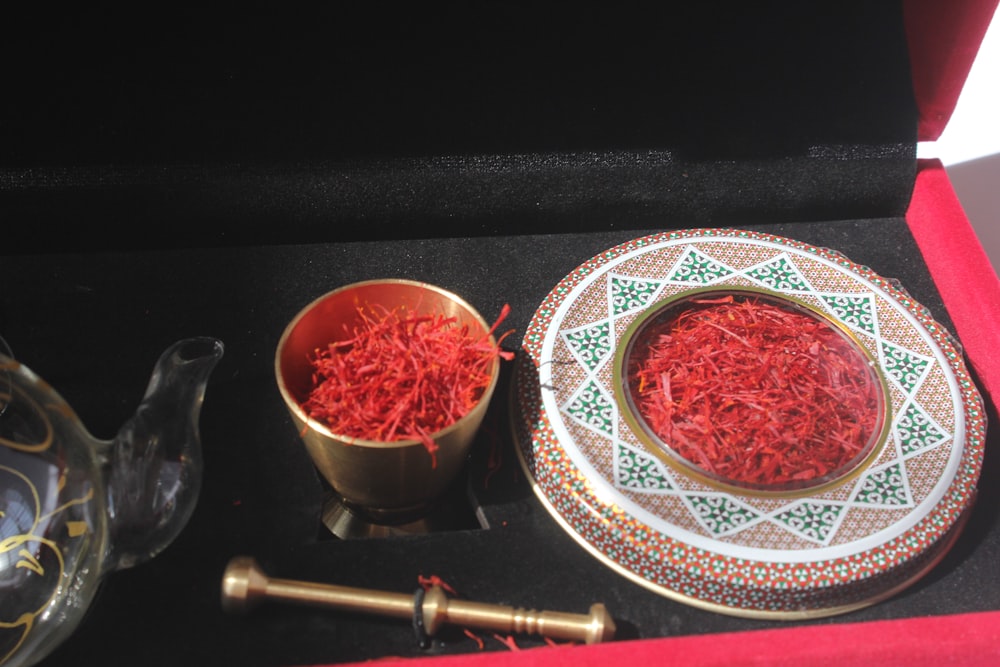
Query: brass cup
point(381, 479)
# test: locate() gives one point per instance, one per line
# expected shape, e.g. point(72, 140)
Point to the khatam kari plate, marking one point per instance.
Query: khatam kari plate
point(816, 551)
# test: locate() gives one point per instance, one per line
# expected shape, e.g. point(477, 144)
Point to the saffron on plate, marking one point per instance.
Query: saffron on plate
point(755, 392)
point(399, 375)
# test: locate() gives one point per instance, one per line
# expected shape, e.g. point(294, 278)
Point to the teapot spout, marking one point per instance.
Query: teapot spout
point(154, 464)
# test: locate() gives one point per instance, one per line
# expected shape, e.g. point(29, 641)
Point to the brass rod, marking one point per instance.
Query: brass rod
point(396, 605)
point(591, 629)
point(245, 585)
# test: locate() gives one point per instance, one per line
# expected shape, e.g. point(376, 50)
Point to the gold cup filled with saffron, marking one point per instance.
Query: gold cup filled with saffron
point(751, 390)
point(387, 382)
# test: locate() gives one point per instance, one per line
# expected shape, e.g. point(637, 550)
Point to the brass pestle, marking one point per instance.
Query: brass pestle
point(244, 585)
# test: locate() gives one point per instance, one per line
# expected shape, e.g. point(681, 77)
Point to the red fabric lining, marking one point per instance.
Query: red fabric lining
point(971, 640)
point(944, 38)
point(960, 268)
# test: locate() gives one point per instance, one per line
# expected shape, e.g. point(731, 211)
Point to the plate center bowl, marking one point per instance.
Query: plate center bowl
point(751, 391)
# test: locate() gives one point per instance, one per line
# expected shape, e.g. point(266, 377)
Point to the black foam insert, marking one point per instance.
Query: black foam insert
point(215, 128)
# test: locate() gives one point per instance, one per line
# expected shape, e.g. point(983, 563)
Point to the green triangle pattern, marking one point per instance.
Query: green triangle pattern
point(631, 293)
point(638, 470)
point(590, 344)
point(592, 408)
point(916, 431)
point(719, 514)
point(779, 274)
point(697, 267)
point(905, 367)
point(811, 520)
point(884, 487)
point(854, 310)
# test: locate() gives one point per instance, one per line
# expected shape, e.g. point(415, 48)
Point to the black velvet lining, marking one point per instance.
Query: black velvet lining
point(710, 80)
point(207, 128)
point(440, 197)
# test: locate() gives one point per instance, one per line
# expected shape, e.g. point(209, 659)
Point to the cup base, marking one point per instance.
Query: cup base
point(347, 521)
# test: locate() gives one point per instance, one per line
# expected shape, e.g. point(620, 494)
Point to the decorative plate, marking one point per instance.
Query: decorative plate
point(818, 551)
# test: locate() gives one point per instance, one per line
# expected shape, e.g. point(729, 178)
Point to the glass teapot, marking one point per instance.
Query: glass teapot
point(73, 508)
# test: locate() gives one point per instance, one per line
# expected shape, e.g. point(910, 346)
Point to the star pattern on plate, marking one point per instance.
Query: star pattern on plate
point(817, 519)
